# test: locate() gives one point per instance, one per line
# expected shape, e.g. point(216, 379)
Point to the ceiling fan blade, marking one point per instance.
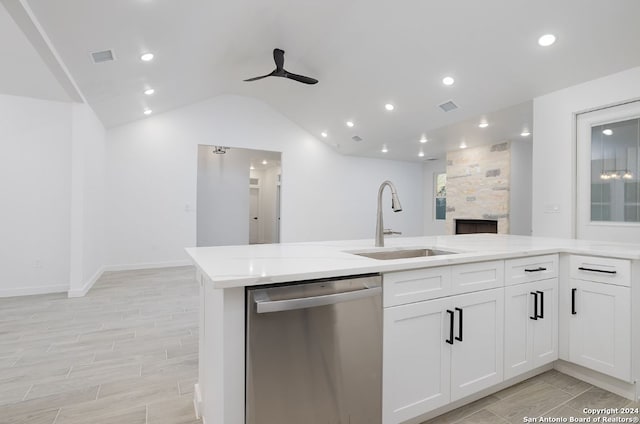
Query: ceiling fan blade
point(300, 78)
point(278, 57)
point(263, 76)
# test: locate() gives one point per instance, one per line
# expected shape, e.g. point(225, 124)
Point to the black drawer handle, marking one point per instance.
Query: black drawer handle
point(450, 339)
point(573, 301)
point(535, 306)
point(535, 269)
point(604, 271)
point(541, 315)
point(459, 337)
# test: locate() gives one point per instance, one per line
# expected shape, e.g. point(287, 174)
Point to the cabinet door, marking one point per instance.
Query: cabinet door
point(600, 328)
point(518, 346)
point(477, 359)
point(545, 328)
point(416, 359)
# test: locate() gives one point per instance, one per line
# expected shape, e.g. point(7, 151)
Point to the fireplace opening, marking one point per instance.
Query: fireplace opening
point(473, 226)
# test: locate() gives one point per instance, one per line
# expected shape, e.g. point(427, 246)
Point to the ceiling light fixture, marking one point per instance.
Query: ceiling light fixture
point(421, 153)
point(525, 133)
point(483, 124)
point(149, 91)
point(384, 148)
point(448, 80)
point(147, 57)
point(463, 145)
point(547, 40)
point(252, 168)
point(264, 162)
point(607, 131)
point(324, 134)
point(350, 124)
point(423, 139)
point(389, 107)
point(147, 112)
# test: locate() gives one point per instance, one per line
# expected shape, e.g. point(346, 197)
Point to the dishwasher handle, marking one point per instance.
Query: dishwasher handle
point(264, 304)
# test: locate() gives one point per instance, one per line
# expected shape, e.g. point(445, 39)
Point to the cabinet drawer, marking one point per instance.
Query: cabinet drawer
point(602, 270)
point(477, 276)
point(404, 287)
point(525, 270)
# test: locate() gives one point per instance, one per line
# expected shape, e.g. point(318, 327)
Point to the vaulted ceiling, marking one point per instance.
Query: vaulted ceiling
point(364, 53)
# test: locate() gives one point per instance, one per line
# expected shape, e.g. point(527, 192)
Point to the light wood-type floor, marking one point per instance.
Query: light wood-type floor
point(127, 354)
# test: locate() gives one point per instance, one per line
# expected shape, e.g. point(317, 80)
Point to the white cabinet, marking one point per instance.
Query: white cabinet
point(531, 326)
point(440, 350)
point(600, 326)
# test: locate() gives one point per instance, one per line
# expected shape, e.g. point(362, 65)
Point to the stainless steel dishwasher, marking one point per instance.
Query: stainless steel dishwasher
point(314, 352)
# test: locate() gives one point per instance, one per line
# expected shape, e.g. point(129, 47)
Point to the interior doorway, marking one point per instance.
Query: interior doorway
point(238, 199)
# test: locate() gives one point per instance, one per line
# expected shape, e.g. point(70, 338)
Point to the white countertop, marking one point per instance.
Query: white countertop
point(250, 265)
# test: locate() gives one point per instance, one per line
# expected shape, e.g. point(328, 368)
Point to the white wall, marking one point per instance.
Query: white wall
point(430, 169)
point(520, 190)
point(554, 149)
point(35, 184)
point(87, 199)
point(152, 174)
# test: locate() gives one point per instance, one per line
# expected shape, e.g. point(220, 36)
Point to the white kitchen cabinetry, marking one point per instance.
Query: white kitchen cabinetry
point(600, 327)
point(437, 351)
point(531, 326)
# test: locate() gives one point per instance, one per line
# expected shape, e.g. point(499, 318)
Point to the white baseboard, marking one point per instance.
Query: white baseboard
point(150, 265)
point(29, 291)
point(87, 286)
point(619, 387)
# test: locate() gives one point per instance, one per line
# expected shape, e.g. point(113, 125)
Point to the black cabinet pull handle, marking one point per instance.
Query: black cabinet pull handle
point(573, 301)
point(459, 337)
point(535, 269)
point(541, 316)
point(450, 339)
point(604, 271)
point(535, 306)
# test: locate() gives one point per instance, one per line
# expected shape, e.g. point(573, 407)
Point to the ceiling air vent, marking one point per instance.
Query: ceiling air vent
point(103, 56)
point(356, 138)
point(448, 106)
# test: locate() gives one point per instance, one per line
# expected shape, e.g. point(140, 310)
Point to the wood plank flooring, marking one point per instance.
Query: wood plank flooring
point(127, 353)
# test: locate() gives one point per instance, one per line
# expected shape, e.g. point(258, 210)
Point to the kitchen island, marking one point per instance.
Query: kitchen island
point(225, 272)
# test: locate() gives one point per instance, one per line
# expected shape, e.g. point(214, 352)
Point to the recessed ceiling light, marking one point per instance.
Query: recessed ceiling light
point(607, 131)
point(448, 81)
point(264, 162)
point(350, 124)
point(147, 57)
point(483, 124)
point(525, 133)
point(547, 40)
point(324, 134)
point(423, 139)
point(251, 168)
point(147, 112)
point(149, 91)
point(463, 145)
point(384, 148)
point(421, 153)
point(389, 107)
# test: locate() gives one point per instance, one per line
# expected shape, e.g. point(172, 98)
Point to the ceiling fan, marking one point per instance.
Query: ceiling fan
point(278, 57)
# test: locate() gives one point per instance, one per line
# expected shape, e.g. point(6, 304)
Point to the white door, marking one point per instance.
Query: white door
point(416, 359)
point(254, 215)
point(600, 327)
point(477, 353)
point(545, 327)
point(604, 147)
point(519, 311)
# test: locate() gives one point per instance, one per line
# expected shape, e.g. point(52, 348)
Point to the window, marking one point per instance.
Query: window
point(441, 196)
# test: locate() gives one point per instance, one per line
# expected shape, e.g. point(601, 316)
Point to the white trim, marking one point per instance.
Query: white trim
point(87, 286)
point(29, 291)
point(148, 265)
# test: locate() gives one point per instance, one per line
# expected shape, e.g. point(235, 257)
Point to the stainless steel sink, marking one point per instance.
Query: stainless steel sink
point(402, 254)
